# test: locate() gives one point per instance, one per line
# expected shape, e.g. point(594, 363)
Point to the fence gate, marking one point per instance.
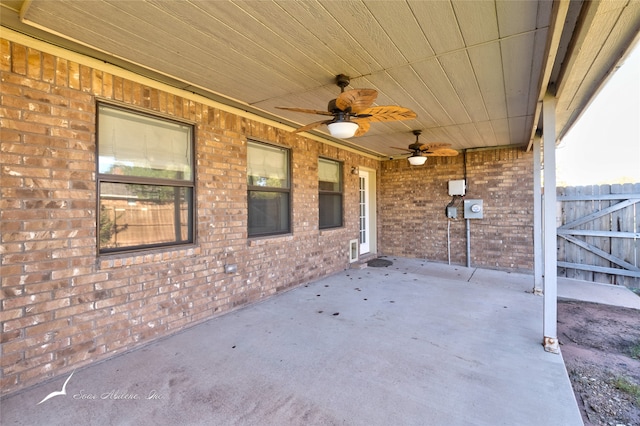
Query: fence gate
point(599, 233)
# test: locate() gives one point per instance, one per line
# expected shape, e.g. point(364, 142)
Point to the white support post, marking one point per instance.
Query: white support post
point(538, 259)
point(550, 297)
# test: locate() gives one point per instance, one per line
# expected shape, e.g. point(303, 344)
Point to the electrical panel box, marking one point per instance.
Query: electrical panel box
point(452, 212)
point(457, 187)
point(473, 209)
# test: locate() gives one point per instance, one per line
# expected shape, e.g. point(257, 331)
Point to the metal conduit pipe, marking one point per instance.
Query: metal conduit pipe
point(468, 244)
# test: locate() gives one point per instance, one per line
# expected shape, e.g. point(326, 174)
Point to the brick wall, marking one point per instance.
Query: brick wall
point(413, 221)
point(63, 305)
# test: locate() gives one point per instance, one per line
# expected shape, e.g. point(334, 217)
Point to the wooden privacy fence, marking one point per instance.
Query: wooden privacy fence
point(599, 233)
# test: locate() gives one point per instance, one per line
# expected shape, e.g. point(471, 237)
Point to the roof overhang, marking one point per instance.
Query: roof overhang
point(474, 72)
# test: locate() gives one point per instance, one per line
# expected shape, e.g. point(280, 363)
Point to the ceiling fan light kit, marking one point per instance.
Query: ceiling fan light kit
point(417, 160)
point(343, 129)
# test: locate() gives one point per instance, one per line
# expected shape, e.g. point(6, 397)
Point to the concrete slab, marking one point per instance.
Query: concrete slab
point(489, 276)
point(432, 269)
point(607, 294)
point(377, 346)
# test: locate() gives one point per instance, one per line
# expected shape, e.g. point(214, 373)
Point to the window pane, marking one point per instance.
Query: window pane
point(330, 193)
point(329, 175)
point(143, 215)
point(267, 166)
point(137, 145)
point(330, 210)
point(268, 212)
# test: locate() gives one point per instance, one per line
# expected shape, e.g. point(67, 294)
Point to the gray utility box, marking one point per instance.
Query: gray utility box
point(452, 212)
point(473, 209)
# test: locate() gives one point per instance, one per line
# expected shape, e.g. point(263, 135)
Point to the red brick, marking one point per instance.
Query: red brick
point(46, 284)
point(49, 306)
point(8, 360)
point(50, 265)
point(5, 55)
point(25, 300)
point(21, 126)
point(8, 270)
point(34, 64)
point(18, 59)
point(76, 309)
point(123, 343)
point(76, 347)
point(28, 364)
point(48, 68)
point(6, 314)
point(42, 368)
point(70, 272)
point(50, 326)
point(50, 347)
point(85, 78)
point(61, 73)
point(73, 72)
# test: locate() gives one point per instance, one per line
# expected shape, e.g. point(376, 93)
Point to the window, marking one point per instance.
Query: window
point(145, 181)
point(268, 190)
point(330, 197)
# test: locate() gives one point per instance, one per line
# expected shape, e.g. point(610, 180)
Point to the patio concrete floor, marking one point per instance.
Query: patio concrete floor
point(415, 343)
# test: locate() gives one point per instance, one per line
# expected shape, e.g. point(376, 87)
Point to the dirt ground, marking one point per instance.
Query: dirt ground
point(601, 348)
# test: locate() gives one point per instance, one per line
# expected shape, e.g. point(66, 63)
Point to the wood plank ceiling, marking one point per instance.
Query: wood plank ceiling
point(473, 71)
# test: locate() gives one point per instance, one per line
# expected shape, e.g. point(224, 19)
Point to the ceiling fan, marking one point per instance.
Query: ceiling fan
point(420, 151)
point(351, 112)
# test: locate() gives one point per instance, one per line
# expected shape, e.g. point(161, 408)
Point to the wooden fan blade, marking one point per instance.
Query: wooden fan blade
point(443, 152)
point(432, 146)
point(308, 111)
point(356, 99)
point(312, 126)
point(363, 127)
point(388, 113)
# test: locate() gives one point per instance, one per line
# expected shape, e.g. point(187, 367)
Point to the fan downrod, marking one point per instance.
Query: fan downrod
point(342, 81)
point(416, 146)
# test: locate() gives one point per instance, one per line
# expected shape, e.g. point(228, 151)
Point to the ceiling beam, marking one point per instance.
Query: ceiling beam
point(558, 19)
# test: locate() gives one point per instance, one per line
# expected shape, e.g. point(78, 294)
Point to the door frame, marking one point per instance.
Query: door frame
point(371, 210)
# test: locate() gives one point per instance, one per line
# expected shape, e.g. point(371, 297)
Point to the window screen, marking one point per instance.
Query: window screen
point(145, 180)
point(330, 193)
point(268, 185)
